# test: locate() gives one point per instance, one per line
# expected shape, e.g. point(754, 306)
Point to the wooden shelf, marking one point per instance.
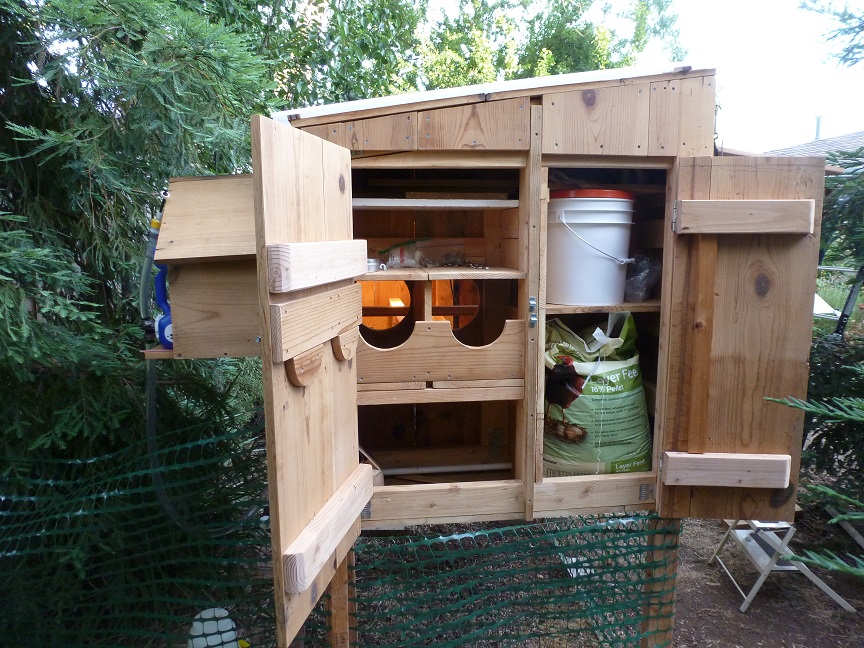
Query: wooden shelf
point(158, 353)
point(432, 204)
point(648, 306)
point(435, 274)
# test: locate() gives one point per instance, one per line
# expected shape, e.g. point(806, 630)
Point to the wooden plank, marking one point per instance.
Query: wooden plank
point(492, 91)
point(696, 121)
point(300, 191)
point(439, 456)
point(529, 421)
point(704, 265)
point(691, 178)
point(597, 121)
point(214, 310)
point(648, 306)
point(577, 161)
point(296, 607)
point(492, 125)
point(682, 117)
point(662, 577)
point(207, 218)
point(464, 395)
point(745, 217)
point(432, 204)
point(300, 324)
point(556, 496)
point(364, 387)
point(501, 500)
point(294, 266)
point(432, 353)
point(306, 555)
point(726, 469)
point(461, 384)
point(442, 160)
point(342, 607)
point(385, 133)
point(158, 353)
point(538, 375)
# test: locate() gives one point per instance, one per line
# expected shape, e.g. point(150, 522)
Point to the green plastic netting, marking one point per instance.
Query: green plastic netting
point(98, 553)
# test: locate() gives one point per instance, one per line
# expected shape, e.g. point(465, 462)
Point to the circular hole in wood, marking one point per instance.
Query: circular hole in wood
point(388, 319)
point(456, 301)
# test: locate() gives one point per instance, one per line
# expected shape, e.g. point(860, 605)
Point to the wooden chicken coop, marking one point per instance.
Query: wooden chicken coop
point(437, 371)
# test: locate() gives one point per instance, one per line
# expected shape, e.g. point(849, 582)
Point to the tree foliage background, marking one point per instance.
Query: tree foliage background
point(101, 102)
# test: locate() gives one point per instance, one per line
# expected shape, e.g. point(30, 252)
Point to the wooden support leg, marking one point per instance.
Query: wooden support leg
point(342, 633)
point(660, 608)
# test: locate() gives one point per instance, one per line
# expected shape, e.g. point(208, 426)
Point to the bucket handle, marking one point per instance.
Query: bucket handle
point(573, 232)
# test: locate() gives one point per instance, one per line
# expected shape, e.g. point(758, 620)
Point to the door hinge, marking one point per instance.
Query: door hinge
point(674, 215)
point(646, 492)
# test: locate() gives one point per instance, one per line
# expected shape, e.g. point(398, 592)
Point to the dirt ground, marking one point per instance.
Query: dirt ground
point(789, 610)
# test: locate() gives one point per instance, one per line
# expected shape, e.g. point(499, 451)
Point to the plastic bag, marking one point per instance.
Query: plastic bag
point(596, 419)
point(642, 275)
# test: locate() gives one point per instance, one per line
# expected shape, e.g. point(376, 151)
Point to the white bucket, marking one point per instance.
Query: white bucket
point(587, 245)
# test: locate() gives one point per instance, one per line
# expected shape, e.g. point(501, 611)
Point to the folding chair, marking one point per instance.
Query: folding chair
point(764, 543)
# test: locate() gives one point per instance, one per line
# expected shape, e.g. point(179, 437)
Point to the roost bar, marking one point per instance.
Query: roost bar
point(437, 371)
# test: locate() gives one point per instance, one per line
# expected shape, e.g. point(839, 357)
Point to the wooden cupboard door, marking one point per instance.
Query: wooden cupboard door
point(310, 310)
point(739, 280)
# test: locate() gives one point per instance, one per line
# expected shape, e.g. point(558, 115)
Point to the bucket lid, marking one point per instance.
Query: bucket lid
point(591, 193)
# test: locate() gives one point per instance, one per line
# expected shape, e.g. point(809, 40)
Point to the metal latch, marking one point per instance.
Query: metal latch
point(532, 304)
point(532, 320)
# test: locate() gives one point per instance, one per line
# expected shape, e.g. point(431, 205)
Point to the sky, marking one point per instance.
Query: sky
point(775, 73)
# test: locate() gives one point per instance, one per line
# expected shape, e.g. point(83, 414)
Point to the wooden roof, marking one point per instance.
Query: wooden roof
point(537, 86)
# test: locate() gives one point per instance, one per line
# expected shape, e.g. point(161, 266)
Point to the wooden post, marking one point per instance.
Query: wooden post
point(660, 592)
point(342, 632)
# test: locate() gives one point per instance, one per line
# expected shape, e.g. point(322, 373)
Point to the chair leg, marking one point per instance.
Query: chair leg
point(804, 569)
point(723, 541)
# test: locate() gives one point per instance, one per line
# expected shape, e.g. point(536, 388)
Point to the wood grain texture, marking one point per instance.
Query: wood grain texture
point(763, 287)
point(299, 324)
point(207, 218)
point(341, 605)
point(502, 500)
point(526, 248)
point(736, 470)
point(214, 310)
point(385, 133)
point(432, 204)
point(556, 496)
point(682, 117)
point(463, 395)
point(294, 266)
point(461, 384)
point(432, 353)
point(492, 125)
point(306, 555)
point(597, 121)
point(442, 160)
point(745, 217)
point(301, 195)
point(302, 369)
point(345, 344)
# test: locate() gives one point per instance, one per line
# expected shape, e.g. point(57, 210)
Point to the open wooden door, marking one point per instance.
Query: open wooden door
point(740, 278)
point(310, 309)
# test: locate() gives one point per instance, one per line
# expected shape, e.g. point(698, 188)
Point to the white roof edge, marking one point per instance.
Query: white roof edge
point(484, 88)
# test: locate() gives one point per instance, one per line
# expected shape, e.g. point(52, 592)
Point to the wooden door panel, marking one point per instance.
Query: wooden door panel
point(739, 324)
point(317, 489)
